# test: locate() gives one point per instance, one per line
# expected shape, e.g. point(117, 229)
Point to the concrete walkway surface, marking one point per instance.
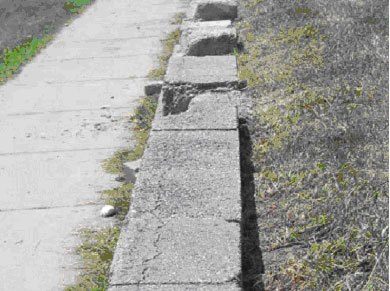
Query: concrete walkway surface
point(61, 117)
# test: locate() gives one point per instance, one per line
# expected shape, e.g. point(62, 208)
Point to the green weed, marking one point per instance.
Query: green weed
point(76, 6)
point(168, 45)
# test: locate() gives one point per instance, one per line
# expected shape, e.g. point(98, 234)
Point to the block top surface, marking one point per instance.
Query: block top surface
point(208, 70)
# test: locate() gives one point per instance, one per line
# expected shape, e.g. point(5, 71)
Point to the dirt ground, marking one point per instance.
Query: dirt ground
point(21, 20)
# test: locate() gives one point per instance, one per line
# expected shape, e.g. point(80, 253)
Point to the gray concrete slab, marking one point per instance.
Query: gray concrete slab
point(63, 50)
point(178, 287)
point(56, 131)
point(207, 39)
point(194, 193)
point(209, 110)
point(89, 69)
point(45, 195)
point(35, 253)
point(191, 150)
point(208, 70)
point(53, 179)
point(23, 98)
point(186, 250)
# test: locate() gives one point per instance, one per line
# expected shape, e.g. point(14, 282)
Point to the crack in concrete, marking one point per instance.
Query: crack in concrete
point(158, 253)
point(64, 111)
point(59, 151)
point(234, 280)
point(51, 207)
point(98, 80)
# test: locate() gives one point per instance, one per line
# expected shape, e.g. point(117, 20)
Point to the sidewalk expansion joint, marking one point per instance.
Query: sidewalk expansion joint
point(65, 111)
point(59, 151)
point(98, 58)
point(98, 80)
point(116, 39)
point(49, 207)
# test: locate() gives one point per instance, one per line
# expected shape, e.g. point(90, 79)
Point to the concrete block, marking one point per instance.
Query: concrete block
point(153, 88)
point(190, 174)
point(207, 10)
point(196, 194)
point(154, 250)
point(206, 72)
point(178, 287)
point(207, 110)
point(191, 150)
point(203, 38)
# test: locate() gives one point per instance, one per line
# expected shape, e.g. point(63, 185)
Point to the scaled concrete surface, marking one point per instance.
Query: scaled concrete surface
point(61, 117)
point(182, 231)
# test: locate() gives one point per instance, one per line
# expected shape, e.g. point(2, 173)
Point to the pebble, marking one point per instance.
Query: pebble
point(107, 211)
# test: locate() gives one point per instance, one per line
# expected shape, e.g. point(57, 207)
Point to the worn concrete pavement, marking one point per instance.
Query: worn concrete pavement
point(61, 117)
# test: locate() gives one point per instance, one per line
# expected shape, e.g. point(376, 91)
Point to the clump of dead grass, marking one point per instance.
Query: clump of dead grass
point(318, 74)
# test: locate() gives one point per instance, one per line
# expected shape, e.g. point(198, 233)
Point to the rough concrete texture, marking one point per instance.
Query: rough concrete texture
point(194, 193)
point(210, 71)
point(207, 40)
point(190, 173)
point(183, 226)
point(171, 250)
point(61, 117)
point(61, 131)
point(177, 287)
point(186, 150)
point(207, 10)
point(208, 110)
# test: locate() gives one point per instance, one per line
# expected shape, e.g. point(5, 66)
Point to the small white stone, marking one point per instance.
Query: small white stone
point(107, 211)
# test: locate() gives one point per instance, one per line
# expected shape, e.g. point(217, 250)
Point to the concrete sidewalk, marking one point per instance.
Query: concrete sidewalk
point(61, 117)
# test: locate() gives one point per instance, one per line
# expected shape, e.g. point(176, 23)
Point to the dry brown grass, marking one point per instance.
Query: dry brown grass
point(318, 75)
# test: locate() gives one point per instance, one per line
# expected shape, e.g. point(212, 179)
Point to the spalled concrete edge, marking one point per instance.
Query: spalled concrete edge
point(155, 250)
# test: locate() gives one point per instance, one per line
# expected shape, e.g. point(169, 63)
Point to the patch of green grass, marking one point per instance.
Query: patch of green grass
point(96, 251)
point(76, 6)
point(320, 90)
point(168, 45)
point(12, 59)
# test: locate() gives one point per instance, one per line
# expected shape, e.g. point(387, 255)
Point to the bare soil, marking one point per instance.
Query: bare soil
point(21, 20)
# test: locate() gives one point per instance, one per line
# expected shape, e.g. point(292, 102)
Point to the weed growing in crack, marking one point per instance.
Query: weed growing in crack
point(168, 45)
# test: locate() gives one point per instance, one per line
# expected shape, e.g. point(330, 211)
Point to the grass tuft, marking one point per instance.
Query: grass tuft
point(12, 59)
point(76, 6)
